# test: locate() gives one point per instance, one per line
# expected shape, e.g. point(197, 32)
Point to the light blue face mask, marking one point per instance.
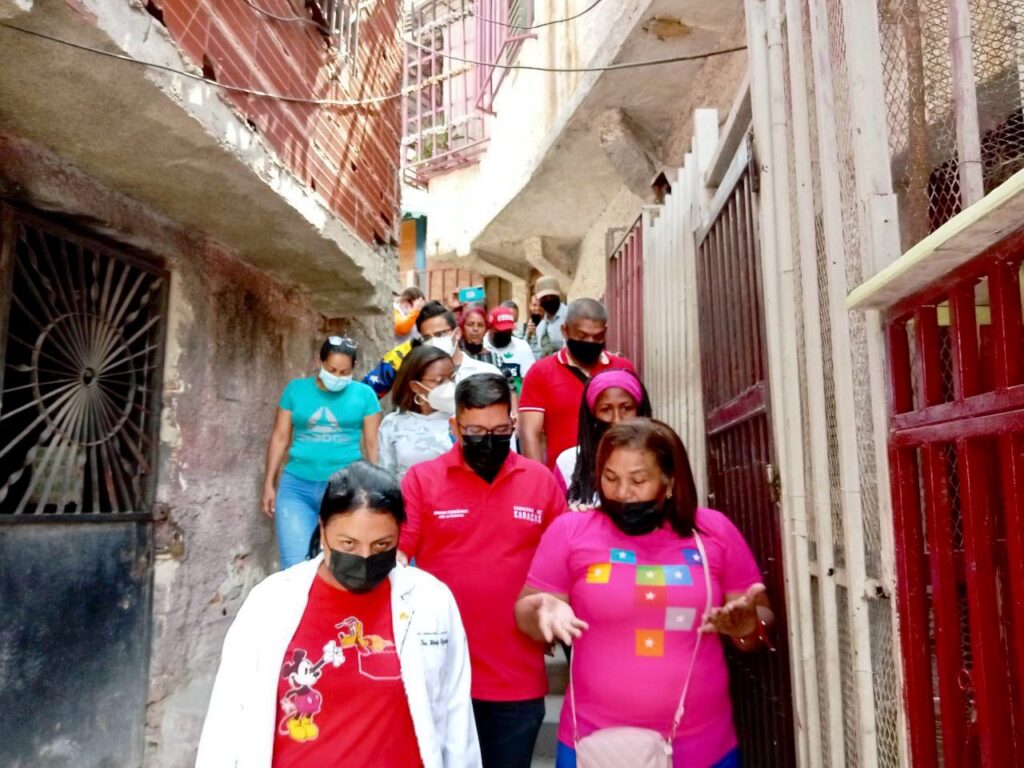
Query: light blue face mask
point(334, 383)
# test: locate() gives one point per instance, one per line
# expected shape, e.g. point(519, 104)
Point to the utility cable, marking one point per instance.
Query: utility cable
point(550, 23)
point(606, 68)
point(276, 17)
point(373, 100)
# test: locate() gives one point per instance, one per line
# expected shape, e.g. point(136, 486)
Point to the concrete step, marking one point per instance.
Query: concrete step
point(547, 740)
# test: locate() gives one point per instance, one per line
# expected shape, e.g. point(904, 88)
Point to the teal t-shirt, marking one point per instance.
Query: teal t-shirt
point(326, 426)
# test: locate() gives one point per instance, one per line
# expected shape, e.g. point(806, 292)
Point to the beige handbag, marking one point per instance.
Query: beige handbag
point(624, 746)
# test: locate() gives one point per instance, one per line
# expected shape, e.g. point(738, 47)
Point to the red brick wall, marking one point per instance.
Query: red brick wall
point(349, 156)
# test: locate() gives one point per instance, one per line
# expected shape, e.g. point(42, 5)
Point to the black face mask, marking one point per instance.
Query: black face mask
point(600, 427)
point(536, 318)
point(550, 304)
point(635, 518)
point(473, 349)
point(361, 574)
point(586, 352)
point(501, 339)
point(486, 454)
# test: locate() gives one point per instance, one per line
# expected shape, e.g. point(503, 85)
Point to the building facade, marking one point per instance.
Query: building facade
point(192, 195)
point(536, 160)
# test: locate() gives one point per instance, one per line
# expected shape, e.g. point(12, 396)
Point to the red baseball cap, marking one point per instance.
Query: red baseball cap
point(501, 319)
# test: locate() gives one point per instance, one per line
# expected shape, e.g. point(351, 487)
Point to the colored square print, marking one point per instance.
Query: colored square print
point(678, 575)
point(599, 573)
point(650, 642)
point(680, 619)
point(692, 556)
point(647, 595)
point(623, 556)
point(653, 575)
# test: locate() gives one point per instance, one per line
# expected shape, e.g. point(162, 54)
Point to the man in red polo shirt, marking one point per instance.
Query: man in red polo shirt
point(475, 517)
point(549, 405)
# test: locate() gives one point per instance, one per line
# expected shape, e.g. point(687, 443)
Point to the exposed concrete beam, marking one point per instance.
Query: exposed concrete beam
point(551, 258)
point(493, 264)
point(630, 151)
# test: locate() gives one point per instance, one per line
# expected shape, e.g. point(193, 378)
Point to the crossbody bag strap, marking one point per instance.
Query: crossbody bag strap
point(681, 708)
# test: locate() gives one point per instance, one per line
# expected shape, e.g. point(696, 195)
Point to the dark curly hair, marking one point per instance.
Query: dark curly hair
point(583, 486)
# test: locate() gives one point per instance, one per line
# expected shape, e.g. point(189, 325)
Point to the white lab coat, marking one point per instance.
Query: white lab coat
point(241, 721)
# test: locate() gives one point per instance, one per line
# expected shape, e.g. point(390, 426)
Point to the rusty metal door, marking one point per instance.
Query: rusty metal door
point(624, 295)
point(741, 456)
point(81, 334)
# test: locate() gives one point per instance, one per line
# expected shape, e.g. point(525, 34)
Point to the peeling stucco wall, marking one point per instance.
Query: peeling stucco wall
point(234, 337)
point(234, 340)
point(589, 278)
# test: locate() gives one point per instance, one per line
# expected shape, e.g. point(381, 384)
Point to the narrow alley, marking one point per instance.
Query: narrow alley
point(511, 383)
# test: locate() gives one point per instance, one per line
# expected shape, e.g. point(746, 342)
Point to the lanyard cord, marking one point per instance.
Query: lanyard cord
point(681, 708)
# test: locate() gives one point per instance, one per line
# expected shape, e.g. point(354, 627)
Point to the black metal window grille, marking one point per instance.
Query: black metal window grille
point(339, 20)
point(81, 328)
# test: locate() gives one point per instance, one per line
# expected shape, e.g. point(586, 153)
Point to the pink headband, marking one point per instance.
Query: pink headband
point(610, 379)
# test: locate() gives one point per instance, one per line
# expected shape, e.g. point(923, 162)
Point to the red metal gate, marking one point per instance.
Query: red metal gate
point(741, 457)
point(624, 295)
point(957, 453)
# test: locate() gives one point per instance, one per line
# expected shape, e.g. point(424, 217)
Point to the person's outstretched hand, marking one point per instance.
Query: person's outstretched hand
point(557, 620)
point(737, 618)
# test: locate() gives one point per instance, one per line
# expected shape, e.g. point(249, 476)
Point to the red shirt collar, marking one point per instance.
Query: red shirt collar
point(563, 357)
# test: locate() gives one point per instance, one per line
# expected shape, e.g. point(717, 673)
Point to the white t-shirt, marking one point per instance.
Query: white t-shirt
point(514, 360)
point(566, 464)
point(408, 438)
point(471, 366)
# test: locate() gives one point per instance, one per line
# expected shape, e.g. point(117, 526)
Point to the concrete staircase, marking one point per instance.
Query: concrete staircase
point(547, 741)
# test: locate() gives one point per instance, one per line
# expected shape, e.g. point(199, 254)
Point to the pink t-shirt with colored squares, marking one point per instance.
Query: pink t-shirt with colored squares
point(643, 597)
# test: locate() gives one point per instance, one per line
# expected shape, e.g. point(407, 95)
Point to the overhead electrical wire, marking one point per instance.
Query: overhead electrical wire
point(276, 17)
point(370, 101)
point(550, 23)
point(606, 68)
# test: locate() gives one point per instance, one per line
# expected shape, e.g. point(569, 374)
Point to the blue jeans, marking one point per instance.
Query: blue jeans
point(295, 516)
point(567, 758)
point(508, 731)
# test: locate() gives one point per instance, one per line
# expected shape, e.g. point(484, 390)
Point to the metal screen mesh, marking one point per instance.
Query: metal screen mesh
point(886, 683)
point(997, 35)
point(821, 655)
point(851, 731)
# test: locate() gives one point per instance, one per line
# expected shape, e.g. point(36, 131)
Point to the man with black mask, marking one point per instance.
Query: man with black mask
point(549, 330)
point(475, 518)
point(514, 355)
point(549, 405)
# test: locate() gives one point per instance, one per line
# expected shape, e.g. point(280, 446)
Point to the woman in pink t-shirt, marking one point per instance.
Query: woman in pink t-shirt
point(627, 582)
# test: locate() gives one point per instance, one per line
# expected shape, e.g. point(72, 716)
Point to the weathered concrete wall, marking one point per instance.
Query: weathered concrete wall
point(234, 338)
point(591, 268)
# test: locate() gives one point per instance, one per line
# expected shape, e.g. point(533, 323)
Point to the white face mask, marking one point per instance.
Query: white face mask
point(445, 343)
point(442, 397)
point(334, 383)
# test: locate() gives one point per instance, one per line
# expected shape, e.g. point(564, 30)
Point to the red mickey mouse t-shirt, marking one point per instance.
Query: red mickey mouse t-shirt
point(340, 699)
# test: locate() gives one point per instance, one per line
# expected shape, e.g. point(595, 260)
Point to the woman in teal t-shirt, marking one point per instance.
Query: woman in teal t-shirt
point(328, 421)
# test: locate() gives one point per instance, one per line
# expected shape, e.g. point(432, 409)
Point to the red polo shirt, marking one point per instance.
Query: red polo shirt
point(554, 388)
point(479, 539)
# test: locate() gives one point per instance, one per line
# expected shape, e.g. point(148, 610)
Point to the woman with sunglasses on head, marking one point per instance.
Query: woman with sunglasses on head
point(609, 397)
point(640, 587)
point(424, 399)
point(323, 424)
point(349, 659)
